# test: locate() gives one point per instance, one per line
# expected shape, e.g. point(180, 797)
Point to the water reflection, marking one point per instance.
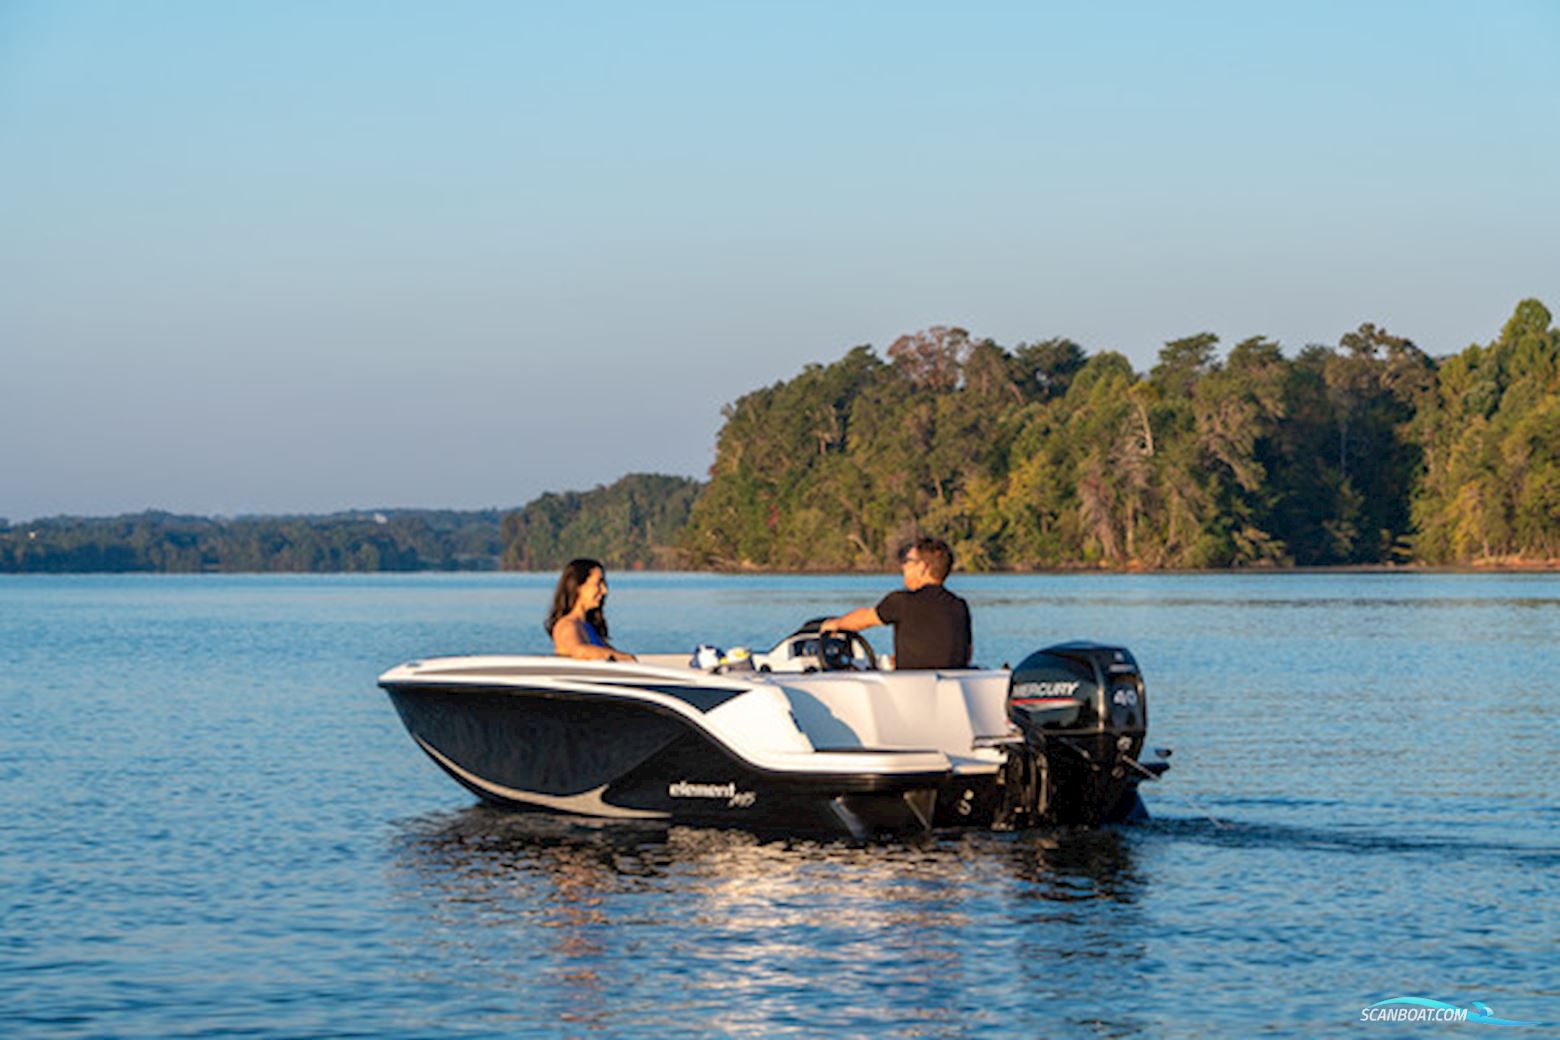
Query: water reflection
point(478, 854)
point(658, 925)
point(1076, 865)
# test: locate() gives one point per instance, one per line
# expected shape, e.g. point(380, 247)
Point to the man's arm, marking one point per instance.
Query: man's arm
point(855, 621)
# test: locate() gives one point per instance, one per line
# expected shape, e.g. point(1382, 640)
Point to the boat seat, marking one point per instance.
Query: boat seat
point(949, 711)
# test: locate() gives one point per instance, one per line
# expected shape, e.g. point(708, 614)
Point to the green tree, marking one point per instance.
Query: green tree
point(1490, 434)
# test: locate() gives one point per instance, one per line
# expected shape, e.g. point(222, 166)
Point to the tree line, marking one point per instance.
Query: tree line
point(633, 523)
point(1031, 457)
point(1043, 456)
point(388, 540)
point(636, 522)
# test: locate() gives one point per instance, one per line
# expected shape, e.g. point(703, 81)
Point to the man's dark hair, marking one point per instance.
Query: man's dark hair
point(934, 552)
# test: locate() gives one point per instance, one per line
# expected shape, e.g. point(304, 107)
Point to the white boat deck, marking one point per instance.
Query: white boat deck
point(960, 713)
point(846, 720)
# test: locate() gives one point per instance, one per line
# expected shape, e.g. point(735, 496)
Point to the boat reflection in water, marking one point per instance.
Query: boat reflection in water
point(688, 931)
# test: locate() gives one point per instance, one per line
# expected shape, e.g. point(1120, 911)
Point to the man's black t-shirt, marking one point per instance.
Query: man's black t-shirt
point(931, 627)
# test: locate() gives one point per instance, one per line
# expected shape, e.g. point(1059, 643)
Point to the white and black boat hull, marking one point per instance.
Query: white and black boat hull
point(854, 754)
point(604, 757)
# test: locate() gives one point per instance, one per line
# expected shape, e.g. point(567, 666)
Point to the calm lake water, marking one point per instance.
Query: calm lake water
point(213, 824)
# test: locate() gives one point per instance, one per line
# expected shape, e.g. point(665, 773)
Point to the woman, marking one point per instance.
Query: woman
point(576, 622)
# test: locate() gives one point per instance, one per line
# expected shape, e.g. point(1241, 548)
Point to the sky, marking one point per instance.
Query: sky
point(278, 257)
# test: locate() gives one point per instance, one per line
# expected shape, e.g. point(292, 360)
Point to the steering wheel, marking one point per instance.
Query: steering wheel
point(839, 651)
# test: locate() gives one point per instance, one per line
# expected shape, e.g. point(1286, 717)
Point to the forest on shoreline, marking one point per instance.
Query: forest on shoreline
point(1042, 456)
point(1036, 457)
point(159, 542)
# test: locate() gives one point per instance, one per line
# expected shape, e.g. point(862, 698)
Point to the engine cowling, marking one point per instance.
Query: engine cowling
point(1083, 711)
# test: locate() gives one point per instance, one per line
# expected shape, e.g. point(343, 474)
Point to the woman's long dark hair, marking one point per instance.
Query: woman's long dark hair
point(575, 573)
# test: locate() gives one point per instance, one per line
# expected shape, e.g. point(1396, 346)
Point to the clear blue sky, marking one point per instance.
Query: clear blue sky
point(275, 257)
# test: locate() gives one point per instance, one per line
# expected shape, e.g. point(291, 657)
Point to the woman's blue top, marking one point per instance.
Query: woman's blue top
point(592, 636)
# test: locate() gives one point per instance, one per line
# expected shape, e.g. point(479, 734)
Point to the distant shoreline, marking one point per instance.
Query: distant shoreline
point(1526, 567)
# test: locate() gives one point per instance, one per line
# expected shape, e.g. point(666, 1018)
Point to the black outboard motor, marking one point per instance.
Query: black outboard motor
point(1083, 713)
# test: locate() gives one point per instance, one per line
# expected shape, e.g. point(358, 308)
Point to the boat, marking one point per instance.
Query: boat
point(810, 738)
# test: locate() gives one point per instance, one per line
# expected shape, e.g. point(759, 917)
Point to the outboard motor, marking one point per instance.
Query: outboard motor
point(1083, 712)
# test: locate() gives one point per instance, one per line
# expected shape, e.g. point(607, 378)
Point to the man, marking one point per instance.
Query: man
point(931, 624)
